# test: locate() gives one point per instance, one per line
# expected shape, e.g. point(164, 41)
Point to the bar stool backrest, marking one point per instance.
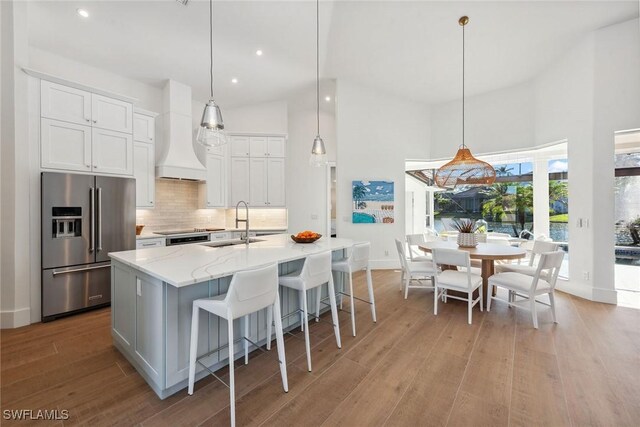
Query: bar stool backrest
point(317, 269)
point(252, 290)
point(359, 257)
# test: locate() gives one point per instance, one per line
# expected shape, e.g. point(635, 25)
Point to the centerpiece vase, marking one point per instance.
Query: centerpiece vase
point(467, 240)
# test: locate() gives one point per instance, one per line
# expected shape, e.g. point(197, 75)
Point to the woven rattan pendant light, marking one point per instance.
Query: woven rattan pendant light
point(464, 169)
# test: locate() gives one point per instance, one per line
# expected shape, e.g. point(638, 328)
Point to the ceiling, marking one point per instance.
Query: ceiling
point(410, 49)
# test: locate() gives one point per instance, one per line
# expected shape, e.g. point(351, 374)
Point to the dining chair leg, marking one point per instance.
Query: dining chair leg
point(469, 305)
point(490, 297)
point(552, 303)
point(435, 301)
point(407, 280)
point(270, 322)
point(246, 343)
point(444, 296)
point(481, 301)
point(280, 344)
point(353, 307)
point(318, 297)
point(193, 348)
point(334, 312)
point(371, 297)
point(232, 384)
point(306, 328)
point(401, 279)
point(534, 315)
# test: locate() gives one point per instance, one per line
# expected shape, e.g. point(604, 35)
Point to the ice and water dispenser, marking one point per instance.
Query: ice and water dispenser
point(67, 222)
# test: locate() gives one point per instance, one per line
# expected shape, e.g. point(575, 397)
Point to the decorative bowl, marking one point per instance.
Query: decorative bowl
point(305, 239)
point(139, 229)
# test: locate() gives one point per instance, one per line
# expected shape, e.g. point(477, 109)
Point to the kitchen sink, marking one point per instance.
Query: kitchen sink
point(231, 243)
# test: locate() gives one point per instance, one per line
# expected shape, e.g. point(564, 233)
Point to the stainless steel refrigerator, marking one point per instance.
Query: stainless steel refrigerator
point(84, 217)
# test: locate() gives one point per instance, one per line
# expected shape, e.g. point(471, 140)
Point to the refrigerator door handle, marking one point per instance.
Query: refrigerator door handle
point(99, 248)
point(92, 220)
point(76, 270)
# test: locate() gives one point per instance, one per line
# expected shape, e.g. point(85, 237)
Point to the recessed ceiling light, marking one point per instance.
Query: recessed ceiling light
point(83, 13)
point(327, 98)
point(234, 80)
point(259, 52)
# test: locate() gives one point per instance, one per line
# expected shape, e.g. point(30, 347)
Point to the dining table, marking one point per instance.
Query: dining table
point(487, 253)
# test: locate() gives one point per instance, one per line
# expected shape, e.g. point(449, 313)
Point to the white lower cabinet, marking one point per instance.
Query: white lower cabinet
point(144, 173)
point(65, 146)
point(239, 180)
point(149, 340)
point(150, 243)
point(112, 152)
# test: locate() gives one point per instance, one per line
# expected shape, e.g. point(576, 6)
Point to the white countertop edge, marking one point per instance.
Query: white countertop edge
point(223, 272)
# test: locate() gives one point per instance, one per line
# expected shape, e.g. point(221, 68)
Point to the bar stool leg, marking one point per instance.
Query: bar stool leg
point(318, 297)
point(232, 384)
point(371, 298)
point(303, 307)
point(270, 321)
point(334, 312)
point(246, 343)
point(280, 344)
point(193, 348)
point(353, 307)
point(306, 328)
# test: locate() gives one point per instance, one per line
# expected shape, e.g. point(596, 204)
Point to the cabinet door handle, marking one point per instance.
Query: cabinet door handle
point(88, 120)
point(95, 121)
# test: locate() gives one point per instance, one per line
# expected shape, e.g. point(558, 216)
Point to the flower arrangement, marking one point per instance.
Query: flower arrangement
point(467, 237)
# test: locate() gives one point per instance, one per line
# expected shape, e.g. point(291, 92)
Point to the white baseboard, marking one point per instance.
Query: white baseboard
point(582, 290)
point(10, 319)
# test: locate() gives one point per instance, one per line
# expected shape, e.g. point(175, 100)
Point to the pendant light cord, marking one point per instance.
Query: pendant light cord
point(463, 146)
point(318, 64)
point(211, 48)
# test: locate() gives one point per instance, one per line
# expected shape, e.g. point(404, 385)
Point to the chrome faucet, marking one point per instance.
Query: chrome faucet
point(245, 220)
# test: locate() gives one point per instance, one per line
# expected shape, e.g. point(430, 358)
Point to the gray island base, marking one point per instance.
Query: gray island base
point(153, 291)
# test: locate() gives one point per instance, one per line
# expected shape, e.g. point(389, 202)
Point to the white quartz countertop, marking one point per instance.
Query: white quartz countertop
point(185, 265)
point(152, 235)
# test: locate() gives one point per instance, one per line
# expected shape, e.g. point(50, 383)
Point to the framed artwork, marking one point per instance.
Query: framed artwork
point(373, 202)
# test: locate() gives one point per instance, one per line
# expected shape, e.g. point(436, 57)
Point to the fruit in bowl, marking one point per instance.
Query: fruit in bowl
point(306, 237)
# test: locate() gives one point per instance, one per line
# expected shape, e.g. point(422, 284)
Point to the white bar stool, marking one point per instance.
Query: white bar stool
point(357, 260)
point(316, 271)
point(249, 291)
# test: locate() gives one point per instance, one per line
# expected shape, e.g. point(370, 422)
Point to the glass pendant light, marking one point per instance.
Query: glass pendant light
point(318, 156)
point(464, 169)
point(211, 131)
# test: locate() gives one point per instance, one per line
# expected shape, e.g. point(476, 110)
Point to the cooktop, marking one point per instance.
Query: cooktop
point(187, 231)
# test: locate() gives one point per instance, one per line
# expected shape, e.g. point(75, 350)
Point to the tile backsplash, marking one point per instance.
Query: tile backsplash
point(177, 206)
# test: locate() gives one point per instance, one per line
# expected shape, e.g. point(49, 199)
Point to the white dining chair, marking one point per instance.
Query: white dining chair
point(356, 260)
point(249, 292)
point(461, 281)
point(539, 247)
point(414, 241)
point(316, 271)
point(414, 271)
point(528, 287)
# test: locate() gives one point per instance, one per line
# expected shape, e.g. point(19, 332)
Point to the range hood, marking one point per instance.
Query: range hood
point(178, 160)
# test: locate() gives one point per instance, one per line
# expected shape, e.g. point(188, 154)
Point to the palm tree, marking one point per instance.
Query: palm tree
point(359, 191)
point(498, 201)
point(503, 171)
point(557, 191)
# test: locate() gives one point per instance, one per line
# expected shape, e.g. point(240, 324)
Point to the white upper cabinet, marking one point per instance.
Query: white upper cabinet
point(111, 114)
point(215, 187)
point(275, 146)
point(65, 146)
point(239, 180)
point(239, 146)
point(144, 173)
point(258, 182)
point(144, 128)
point(276, 182)
point(112, 152)
point(65, 103)
point(258, 146)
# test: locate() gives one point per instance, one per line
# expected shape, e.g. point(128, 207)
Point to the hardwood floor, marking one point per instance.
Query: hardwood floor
point(411, 368)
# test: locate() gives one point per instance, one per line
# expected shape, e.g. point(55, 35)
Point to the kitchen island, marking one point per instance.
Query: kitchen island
point(153, 289)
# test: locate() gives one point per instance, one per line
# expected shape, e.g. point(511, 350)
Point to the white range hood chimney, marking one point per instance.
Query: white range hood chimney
point(179, 159)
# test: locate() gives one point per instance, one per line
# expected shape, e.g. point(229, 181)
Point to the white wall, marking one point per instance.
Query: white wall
point(269, 117)
point(376, 133)
point(495, 121)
